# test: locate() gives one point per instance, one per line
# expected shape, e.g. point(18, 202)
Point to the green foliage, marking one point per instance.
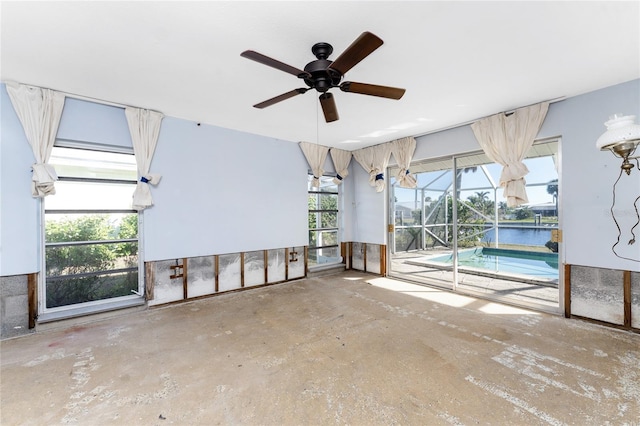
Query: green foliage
point(417, 216)
point(324, 219)
point(552, 188)
point(82, 258)
point(86, 289)
point(67, 260)
point(469, 221)
point(481, 202)
point(524, 213)
point(128, 229)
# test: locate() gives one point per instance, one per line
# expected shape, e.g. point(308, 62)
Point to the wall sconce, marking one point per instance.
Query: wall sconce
point(622, 138)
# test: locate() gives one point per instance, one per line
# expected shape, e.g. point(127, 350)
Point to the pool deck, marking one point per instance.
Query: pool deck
point(518, 289)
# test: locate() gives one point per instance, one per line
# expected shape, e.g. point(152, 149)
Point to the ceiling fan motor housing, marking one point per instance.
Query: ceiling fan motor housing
point(321, 78)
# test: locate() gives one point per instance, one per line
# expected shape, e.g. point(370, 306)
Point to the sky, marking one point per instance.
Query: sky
point(541, 171)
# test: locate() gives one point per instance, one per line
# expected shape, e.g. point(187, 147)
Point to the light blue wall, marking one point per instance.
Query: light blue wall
point(222, 191)
point(587, 178)
point(91, 122)
point(225, 191)
point(348, 204)
point(454, 141)
point(369, 215)
point(588, 175)
point(19, 212)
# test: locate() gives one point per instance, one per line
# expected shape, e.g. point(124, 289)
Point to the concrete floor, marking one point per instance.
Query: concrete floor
point(345, 349)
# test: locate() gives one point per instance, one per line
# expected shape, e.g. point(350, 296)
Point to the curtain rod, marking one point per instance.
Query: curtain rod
point(466, 123)
point(94, 100)
point(80, 97)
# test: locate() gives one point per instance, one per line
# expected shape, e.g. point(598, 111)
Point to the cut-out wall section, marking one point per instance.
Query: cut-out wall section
point(357, 256)
point(201, 276)
point(373, 258)
point(296, 263)
point(368, 257)
point(180, 279)
point(230, 273)
point(607, 295)
point(597, 293)
point(276, 266)
point(165, 288)
point(635, 300)
point(254, 273)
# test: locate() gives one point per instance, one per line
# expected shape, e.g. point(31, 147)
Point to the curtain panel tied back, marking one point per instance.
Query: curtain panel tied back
point(39, 111)
point(506, 140)
point(374, 160)
point(341, 160)
point(403, 150)
point(316, 156)
point(144, 126)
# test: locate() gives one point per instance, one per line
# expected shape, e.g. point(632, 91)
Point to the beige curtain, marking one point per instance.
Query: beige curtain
point(39, 111)
point(341, 160)
point(402, 150)
point(316, 156)
point(144, 126)
point(374, 160)
point(506, 140)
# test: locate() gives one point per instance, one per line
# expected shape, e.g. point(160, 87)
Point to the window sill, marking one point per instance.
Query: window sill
point(325, 269)
point(90, 310)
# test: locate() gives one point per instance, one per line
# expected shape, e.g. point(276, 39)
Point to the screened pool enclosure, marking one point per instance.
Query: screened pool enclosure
point(455, 228)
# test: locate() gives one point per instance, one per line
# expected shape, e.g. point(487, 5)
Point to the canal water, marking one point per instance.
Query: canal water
point(520, 236)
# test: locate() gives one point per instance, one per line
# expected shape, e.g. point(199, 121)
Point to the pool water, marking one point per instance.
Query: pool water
point(536, 264)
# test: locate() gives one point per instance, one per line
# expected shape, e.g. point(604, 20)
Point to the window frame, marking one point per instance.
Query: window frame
point(136, 298)
point(317, 192)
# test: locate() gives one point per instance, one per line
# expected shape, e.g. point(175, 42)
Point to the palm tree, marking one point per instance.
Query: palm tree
point(552, 189)
point(502, 205)
point(482, 202)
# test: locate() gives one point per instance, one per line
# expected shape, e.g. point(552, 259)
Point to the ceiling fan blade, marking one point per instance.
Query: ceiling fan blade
point(280, 98)
point(259, 57)
point(329, 107)
point(372, 90)
point(357, 51)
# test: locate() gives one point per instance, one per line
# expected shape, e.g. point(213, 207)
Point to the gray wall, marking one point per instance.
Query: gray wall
point(14, 306)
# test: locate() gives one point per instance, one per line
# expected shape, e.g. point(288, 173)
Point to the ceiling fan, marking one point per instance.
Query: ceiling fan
point(324, 74)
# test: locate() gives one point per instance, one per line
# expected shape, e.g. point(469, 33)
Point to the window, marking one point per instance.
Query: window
point(91, 231)
point(324, 246)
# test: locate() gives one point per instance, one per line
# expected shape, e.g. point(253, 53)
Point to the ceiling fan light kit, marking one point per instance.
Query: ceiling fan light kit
point(323, 74)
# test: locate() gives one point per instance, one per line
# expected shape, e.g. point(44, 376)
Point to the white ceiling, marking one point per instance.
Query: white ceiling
point(458, 61)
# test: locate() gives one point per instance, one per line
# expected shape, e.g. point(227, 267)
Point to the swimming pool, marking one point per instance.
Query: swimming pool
point(533, 264)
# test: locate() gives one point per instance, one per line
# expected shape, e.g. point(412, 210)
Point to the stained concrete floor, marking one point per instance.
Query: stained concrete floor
point(350, 348)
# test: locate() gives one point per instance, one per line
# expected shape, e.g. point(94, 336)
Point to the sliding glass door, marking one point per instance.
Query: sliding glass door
point(456, 230)
point(422, 224)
